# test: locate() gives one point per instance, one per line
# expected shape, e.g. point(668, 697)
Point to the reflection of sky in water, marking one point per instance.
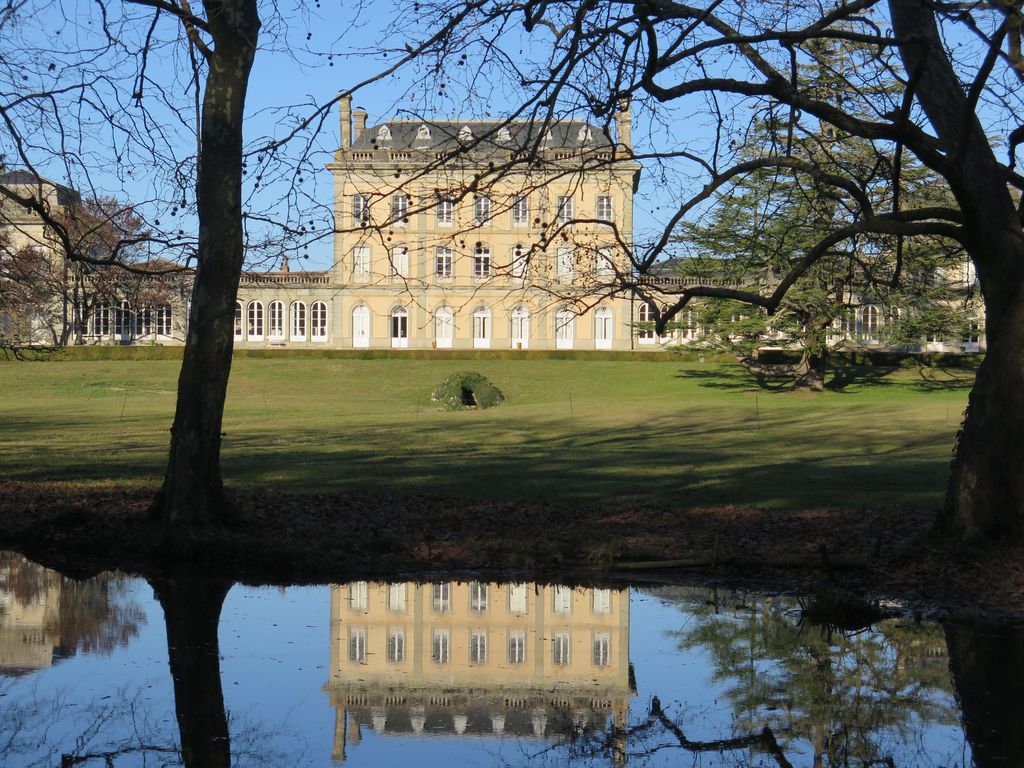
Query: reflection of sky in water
point(275, 663)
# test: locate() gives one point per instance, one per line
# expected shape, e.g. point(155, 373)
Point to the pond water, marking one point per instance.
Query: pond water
point(460, 673)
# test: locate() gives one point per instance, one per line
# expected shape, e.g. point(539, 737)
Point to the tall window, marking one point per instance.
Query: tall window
point(645, 315)
point(255, 321)
point(520, 210)
point(565, 326)
point(602, 601)
point(443, 262)
point(357, 595)
point(357, 644)
point(101, 319)
point(482, 209)
point(602, 649)
point(482, 327)
point(565, 209)
point(604, 208)
point(517, 647)
point(478, 595)
point(143, 321)
point(868, 318)
point(520, 328)
point(400, 210)
point(560, 646)
point(396, 646)
point(444, 327)
point(562, 600)
point(399, 327)
point(445, 211)
point(238, 321)
point(440, 646)
point(318, 321)
point(123, 319)
point(399, 267)
point(298, 321)
point(563, 264)
point(361, 326)
point(478, 647)
point(517, 599)
point(520, 261)
point(396, 597)
point(481, 261)
point(275, 320)
point(604, 262)
point(164, 316)
point(441, 597)
point(361, 262)
point(360, 210)
point(603, 328)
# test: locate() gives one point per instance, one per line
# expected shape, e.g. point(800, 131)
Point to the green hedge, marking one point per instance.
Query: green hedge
point(466, 390)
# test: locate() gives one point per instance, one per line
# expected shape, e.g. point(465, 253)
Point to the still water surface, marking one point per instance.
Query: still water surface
point(458, 673)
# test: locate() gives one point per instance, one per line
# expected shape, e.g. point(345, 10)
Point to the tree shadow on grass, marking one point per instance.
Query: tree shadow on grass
point(667, 461)
point(736, 378)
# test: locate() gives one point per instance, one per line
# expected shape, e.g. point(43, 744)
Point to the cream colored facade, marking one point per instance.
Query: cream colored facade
point(447, 238)
point(477, 659)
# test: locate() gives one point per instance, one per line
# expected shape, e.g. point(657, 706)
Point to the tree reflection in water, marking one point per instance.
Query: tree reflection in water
point(851, 698)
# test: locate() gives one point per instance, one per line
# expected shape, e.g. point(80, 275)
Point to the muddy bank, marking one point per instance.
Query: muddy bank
point(879, 553)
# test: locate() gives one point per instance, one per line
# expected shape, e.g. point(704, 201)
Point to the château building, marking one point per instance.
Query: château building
point(463, 235)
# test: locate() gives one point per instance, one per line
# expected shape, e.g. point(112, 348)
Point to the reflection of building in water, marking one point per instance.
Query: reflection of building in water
point(477, 659)
point(29, 609)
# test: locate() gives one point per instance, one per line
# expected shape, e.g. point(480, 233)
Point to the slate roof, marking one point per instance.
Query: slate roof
point(65, 195)
point(443, 135)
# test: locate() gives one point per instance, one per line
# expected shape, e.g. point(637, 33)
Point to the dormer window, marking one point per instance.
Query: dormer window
point(465, 135)
point(423, 133)
point(384, 133)
point(504, 135)
point(584, 136)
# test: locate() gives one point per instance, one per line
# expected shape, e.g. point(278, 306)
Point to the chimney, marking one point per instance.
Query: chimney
point(359, 116)
point(624, 124)
point(345, 115)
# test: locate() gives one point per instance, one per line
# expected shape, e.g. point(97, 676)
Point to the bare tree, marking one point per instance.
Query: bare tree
point(938, 81)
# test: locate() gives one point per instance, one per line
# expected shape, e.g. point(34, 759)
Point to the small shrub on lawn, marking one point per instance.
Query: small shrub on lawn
point(466, 390)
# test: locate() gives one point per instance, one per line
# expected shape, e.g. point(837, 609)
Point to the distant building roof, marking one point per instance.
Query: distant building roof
point(20, 177)
point(483, 135)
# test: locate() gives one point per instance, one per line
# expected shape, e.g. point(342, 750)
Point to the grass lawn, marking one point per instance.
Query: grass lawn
point(613, 432)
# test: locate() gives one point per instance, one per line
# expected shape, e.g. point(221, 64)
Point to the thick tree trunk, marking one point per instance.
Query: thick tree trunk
point(192, 614)
point(985, 498)
point(193, 490)
point(988, 672)
point(810, 371)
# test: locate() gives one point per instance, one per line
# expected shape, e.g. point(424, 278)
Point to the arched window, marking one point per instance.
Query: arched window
point(254, 328)
point(867, 323)
point(399, 327)
point(645, 315)
point(520, 328)
point(298, 321)
point(275, 320)
point(238, 321)
point(603, 328)
point(482, 327)
point(318, 321)
point(444, 327)
point(361, 326)
point(565, 326)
